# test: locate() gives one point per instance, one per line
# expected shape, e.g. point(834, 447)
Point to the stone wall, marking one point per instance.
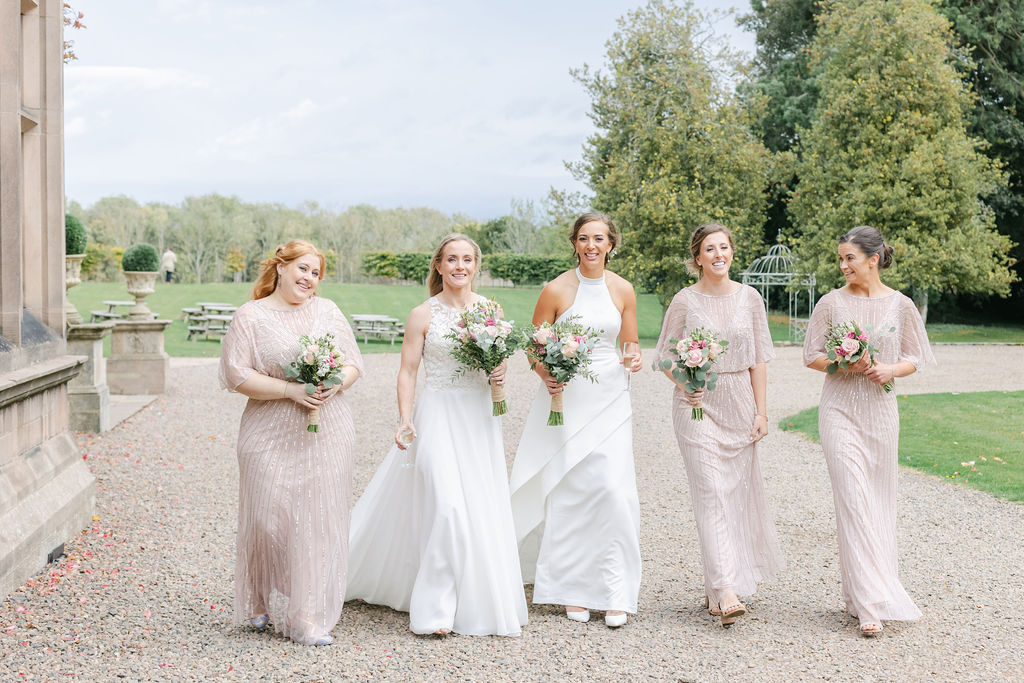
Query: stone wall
point(46, 491)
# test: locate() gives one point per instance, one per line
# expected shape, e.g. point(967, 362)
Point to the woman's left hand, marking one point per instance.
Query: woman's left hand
point(323, 393)
point(498, 374)
point(880, 373)
point(638, 362)
point(760, 428)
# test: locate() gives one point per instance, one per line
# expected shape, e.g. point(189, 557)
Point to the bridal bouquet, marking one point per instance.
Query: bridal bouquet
point(846, 343)
point(695, 354)
point(319, 362)
point(482, 342)
point(565, 349)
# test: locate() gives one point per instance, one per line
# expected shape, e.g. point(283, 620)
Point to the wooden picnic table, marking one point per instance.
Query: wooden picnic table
point(377, 326)
point(111, 312)
point(216, 307)
point(215, 324)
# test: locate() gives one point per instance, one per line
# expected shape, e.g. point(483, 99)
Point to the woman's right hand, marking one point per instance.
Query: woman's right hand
point(695, 398)
point(553, 385)
point(404, 425)
point(296, 391)
point(862, 365)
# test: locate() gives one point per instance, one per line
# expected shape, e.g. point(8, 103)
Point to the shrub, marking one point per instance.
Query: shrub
point(413, 265)
point(380, 263)
point(526, 269)
point(102, 262)
point(75, 237)
point(140, 257)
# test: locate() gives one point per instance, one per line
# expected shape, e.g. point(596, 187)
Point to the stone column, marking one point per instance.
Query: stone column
point(88, 393)
point(138, 363)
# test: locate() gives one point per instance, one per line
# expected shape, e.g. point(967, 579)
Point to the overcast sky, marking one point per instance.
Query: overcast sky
point(459, 105)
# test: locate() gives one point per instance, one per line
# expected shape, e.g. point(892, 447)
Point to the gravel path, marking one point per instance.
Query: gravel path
point(146, 592)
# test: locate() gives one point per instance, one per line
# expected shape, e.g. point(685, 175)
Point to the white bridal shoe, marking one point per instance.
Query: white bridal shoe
point(582, 617)
point(615, 620)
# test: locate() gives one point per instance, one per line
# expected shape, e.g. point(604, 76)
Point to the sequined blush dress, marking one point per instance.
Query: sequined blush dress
point(738, 543)
point(860, 425)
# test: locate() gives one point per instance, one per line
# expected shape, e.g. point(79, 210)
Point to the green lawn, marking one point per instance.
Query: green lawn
point(393, 300)
point(973, 439)
point(952, 332)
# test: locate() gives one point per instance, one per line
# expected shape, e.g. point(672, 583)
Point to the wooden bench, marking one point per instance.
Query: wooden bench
point(105, 315)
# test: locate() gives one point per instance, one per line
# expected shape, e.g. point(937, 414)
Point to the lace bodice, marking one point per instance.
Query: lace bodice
point(438, 364)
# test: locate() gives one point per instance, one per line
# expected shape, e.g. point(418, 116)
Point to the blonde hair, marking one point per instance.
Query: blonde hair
point(266, 283)
point(590, 217)
point(434, 285)
point(697, 238)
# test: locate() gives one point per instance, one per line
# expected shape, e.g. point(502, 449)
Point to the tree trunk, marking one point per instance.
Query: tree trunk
point(920, 297)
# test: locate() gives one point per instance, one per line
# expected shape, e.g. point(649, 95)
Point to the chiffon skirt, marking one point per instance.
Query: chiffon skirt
point(433, 534)
point(738, 543)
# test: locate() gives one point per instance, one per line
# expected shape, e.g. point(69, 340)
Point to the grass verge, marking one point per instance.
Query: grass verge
point(972, 439)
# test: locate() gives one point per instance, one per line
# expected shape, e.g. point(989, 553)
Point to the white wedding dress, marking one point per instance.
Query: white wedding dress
point(432, 534)
point(574, 496)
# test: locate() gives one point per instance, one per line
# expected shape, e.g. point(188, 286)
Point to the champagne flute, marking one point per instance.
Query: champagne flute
point(406, 437)
point(630, 350)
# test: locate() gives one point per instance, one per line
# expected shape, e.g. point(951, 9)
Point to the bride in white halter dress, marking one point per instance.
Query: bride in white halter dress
point(574, 495)
point(432, 534)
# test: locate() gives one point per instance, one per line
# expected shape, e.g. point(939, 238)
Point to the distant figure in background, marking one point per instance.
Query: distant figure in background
point(167, 264)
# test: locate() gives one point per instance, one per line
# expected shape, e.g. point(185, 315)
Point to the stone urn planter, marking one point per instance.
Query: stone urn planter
point(141, 284)
point(72, 277)
point(140, 265)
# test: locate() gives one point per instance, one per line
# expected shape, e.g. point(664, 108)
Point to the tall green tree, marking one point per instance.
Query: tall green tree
point(890, 148)
point(673, 147)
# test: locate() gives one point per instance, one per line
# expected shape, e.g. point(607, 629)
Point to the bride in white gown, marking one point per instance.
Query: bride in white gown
point(574, 496)
point(432, 534)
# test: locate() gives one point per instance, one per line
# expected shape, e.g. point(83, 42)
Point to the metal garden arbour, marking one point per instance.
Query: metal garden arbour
point(777, 268)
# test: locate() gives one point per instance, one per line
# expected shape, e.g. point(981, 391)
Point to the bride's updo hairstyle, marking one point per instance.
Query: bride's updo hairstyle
point(697, 239)
point(870, 241)
point(266, 283)
point(613, 232)
point(434, 278)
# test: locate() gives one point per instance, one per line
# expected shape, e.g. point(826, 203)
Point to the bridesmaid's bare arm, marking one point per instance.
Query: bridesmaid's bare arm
point(624, 294)
point(265, 388)
point(759, 383)
point(551, 303)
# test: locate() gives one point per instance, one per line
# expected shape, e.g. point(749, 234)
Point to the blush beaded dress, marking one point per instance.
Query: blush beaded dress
point(574, 495)
point(738, 543)
point(432, 534)
point(860, 425)
point(295, 486)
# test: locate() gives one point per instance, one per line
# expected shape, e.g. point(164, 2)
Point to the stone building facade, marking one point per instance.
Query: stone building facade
point(46, 491)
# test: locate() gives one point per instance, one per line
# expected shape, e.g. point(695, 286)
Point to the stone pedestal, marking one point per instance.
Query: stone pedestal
point(88, 393)
point(138, 363)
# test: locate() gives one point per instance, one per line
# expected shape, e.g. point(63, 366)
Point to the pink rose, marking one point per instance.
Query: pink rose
point(309, 357)
point(694, 344)
point(570, 347)
point(862, 337)
point(682, 347)
point(542, 335)
point(850, 346)
point(491, 330)
point(713, 350)
point(694, 358)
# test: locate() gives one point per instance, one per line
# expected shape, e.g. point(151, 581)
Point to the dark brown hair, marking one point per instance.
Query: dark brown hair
point(870, 241)
point(591, 216)
point(266, 283)
point(434, 285)
point(697, 239)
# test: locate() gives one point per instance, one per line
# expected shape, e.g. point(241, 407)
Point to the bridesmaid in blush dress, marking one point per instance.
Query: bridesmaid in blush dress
point(860, 425)
point(737, 536)
point(295, 486)
point(574, 496)
point(432, 534)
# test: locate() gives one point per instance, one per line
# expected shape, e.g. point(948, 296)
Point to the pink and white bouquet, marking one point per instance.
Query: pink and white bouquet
point(564, 348)
point(694, 356)
point(482, 342)
point(845, 344)
point(319, 362)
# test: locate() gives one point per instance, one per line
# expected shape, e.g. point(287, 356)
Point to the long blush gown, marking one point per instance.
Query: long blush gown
point(738, 544)
point(859, 425)
point(432, 534)
point(574, 493)
point(295, 486)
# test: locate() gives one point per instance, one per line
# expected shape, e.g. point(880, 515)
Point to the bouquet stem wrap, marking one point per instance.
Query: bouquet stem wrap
point(555, 416)
point(313, 424)
point(498, 403)
point(697, 413)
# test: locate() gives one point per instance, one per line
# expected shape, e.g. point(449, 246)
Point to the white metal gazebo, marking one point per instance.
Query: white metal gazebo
point(777, 268)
